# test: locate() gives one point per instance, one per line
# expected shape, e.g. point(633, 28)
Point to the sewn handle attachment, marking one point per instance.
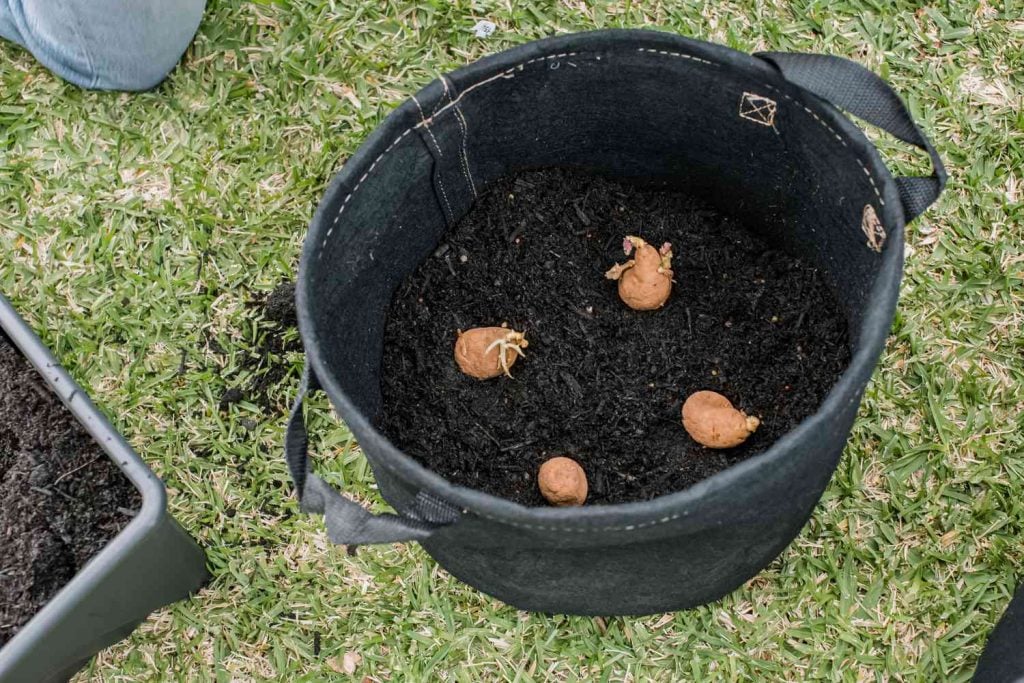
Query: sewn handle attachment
point(349, 523)
point(857, 90)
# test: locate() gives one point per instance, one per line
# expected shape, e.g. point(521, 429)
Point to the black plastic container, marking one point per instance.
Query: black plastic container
point(760, 137)
point(151, 563)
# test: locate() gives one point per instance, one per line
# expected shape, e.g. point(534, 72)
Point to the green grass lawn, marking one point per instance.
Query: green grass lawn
point(137, 231)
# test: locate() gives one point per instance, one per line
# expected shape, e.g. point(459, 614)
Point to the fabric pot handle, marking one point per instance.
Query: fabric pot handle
point(857, 90)
point(349, 523)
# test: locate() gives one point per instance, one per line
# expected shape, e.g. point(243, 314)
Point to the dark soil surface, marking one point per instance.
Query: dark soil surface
point(601, 383)
point(61, 498)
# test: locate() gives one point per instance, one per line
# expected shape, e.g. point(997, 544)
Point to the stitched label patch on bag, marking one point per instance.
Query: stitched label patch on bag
point(872, 228)
point(758, 109)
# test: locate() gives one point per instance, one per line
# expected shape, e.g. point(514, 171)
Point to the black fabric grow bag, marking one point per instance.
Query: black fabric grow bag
point(1003, 658)
point(151, 563)
point(756, 136)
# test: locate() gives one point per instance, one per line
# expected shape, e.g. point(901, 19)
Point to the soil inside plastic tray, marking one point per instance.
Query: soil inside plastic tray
point(601, 383)
point(61, 497)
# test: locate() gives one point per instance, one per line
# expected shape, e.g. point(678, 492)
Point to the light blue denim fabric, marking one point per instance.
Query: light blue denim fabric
point(104, 44)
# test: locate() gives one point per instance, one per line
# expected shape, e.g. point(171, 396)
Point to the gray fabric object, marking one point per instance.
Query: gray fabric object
point(637, 105)
point(104, 44)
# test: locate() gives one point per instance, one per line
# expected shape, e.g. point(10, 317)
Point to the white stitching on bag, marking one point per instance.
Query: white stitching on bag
point(467, 173)
point(583, 530)
point(440, 183)
point(447, 95)
point(344, 203)
point(465, 158)
point(426, 127)
point(677, 54)
point(758, 108)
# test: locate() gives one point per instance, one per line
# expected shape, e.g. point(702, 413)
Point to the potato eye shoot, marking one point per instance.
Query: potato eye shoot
point(486, 352)
point(645, 281)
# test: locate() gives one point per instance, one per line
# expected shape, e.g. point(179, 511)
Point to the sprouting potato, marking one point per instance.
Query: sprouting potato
point(562, 482)
point(486, 352)
point(645, 281)
point(712, 421)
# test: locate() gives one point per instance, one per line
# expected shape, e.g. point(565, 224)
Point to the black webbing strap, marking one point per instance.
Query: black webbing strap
point(348, 522)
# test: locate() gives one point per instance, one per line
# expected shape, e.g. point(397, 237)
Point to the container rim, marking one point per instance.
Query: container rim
point(875, 327)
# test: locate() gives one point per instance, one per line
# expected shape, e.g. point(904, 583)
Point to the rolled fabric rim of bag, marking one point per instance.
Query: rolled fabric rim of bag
point(761, 136)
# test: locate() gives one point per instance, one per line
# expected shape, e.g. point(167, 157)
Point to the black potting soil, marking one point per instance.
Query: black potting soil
point(601, 383)
point(61, 498)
